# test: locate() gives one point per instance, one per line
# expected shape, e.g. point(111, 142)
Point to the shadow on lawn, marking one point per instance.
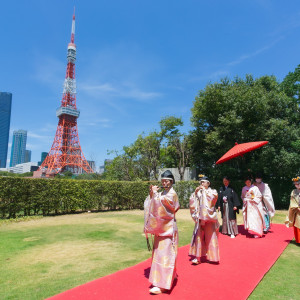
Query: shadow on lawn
point(293, 242)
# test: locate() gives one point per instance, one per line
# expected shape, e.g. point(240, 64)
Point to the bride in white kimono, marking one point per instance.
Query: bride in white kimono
point(253, 212)
point(267, 200)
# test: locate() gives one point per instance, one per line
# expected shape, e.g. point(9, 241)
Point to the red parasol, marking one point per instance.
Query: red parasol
point(240, 149)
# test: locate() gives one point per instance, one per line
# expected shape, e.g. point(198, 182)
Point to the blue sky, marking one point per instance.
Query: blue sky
point(137, 61)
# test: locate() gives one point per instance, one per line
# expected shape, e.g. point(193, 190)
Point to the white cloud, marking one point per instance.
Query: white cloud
point(212, 76)
point(104, 123)
point(287, 25)
point(267, 4)
point(254, 53)
point(120, 90)
point(34, 135)
point(120, 71)
point(50, 71)
point(50, 128)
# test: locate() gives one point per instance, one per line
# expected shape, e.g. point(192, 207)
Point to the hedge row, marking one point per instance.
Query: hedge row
point(25, 196)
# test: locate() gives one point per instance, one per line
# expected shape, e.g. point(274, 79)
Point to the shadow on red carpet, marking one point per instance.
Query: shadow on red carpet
point(244, 262)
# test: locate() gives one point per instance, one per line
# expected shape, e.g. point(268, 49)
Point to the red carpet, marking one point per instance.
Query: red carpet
point(244, 261)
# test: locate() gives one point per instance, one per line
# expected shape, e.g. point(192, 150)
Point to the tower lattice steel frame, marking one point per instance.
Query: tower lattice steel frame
point(65, 153)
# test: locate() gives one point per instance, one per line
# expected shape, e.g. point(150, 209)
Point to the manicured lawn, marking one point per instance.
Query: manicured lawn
point(45, 256)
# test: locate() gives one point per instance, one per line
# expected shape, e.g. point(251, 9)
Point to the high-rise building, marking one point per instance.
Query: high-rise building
point(92, 164)
point(43, 156)
point(5, 111)
point(27, 156)
point(18, 147)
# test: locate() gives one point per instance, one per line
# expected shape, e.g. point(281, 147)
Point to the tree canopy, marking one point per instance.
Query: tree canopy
point(142, 159)
point(245, 110)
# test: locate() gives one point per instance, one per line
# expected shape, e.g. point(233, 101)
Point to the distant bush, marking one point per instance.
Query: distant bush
point(26, 197)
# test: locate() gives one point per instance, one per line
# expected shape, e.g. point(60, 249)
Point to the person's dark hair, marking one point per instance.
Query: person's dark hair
point(226, 177)
point(248, 178)
point(259, 175)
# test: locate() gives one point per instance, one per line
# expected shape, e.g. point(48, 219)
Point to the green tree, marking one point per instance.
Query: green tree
point(142, 159)
point(245, 110)
point(178, 150)
point(291, 84)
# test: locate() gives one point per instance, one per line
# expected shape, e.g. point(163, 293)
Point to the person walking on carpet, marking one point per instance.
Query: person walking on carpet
point(267, 201)
point(205, 236)
point(160, 209)
point(293, 218)
point(228, 203)
point(253, 213)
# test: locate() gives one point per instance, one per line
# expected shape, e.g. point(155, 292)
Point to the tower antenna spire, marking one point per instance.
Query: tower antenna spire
point(73, 28)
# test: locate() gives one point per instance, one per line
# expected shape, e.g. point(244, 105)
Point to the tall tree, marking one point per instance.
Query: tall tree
point(180, 150)
point(244, 110)
point(142, 159)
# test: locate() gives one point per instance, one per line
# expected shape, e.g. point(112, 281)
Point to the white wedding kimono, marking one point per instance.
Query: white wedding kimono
point(267, 198)
point(268, 203)
point(253, 212)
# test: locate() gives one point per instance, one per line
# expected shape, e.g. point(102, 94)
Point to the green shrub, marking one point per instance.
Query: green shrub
point(27, 197)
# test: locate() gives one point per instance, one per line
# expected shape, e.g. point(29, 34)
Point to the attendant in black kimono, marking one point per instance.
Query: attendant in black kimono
point(228, 202)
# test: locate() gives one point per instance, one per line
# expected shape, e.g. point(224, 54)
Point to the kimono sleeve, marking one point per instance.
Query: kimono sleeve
point(194, 207)
point(236, 201)
point(268, 200)
point(243, 194)
point(257, 195)
point(170, 201)
point(220, 195)
point(213, 195)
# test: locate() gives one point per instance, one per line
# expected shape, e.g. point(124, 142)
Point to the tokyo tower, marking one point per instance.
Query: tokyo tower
point(65, 153)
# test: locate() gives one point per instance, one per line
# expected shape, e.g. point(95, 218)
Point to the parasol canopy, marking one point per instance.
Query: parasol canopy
point(240, 149)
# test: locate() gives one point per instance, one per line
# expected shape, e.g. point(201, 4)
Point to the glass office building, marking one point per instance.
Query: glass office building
point(43, 156)
point(18, 147)
point(27, 156)
point(5, 111)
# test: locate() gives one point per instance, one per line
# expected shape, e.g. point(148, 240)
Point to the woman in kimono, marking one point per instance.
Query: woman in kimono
point(160, 209)
point(293, 218)
point(253, 212)
point(228, 202)
point(267, 200)
point(205, 236)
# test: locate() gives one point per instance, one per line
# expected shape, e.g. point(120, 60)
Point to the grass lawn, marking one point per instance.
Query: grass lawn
point(45, 256)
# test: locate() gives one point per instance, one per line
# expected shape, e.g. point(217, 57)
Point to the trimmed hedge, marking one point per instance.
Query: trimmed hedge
point(26, 196)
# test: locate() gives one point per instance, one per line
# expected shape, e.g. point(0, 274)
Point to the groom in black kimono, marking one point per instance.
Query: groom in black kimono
point(228, 203)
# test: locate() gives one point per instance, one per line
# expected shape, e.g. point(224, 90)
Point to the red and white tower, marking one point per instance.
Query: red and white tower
point(66, 153)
